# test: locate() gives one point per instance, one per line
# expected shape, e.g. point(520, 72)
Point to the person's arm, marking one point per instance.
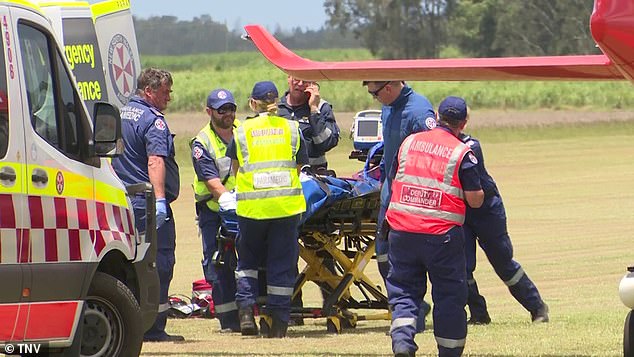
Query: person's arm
point(156, 172)
point(324, 127)
point(424, 118)
point(302, 153)
point(233, 155)
point(474, 198)
point(206, 170)
point(470, 181)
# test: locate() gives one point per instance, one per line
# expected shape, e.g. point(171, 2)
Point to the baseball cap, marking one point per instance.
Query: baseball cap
point(453, 108)
point(219, 97)
point(264, 91)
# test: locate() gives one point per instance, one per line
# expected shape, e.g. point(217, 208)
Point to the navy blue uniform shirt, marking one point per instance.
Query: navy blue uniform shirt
point(145, 133)
point(320, 130)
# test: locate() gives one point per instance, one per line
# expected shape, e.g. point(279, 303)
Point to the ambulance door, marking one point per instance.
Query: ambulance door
point(118, 48)
point(60, 184)
point(13, 180)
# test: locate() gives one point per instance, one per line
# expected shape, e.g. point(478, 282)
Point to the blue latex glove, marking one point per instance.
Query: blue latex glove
point(161, 212)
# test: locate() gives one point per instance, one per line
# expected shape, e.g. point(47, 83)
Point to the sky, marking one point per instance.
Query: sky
point(289, 14)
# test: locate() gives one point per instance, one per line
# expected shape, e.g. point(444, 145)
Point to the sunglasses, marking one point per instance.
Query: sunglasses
point(375, 93)
point(226, 109)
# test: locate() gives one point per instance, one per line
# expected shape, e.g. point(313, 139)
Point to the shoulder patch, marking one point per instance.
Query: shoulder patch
point(198, 152)
point(473, 159)
point(430, 123)
point(470, 143)
point(160, 124)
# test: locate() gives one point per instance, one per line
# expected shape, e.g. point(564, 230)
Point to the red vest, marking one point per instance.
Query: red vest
point(427, 195)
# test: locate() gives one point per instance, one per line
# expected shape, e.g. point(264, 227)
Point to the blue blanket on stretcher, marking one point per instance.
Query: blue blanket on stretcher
point(322, 191)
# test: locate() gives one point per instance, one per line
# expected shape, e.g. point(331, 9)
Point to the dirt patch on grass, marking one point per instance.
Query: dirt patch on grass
point(190, 123)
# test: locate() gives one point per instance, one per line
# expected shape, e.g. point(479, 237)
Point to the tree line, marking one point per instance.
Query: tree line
point(401, 29)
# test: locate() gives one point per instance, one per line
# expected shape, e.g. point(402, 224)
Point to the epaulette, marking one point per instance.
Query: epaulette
point(156, 112)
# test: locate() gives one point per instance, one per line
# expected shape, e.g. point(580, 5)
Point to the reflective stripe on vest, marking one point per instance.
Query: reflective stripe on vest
point(427, 195)
point(217, 149)
point(267, 181)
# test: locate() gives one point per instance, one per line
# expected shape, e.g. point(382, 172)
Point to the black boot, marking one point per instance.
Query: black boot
point(247, 322)
point(278, 329)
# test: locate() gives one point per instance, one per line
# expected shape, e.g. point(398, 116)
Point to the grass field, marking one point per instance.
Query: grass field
point(567, 191)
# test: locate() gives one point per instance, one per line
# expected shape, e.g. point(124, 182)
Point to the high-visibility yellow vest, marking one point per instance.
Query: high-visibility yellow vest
point(217, 149)
point(267, 181)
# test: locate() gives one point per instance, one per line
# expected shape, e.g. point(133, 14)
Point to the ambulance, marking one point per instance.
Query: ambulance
point(77, 278)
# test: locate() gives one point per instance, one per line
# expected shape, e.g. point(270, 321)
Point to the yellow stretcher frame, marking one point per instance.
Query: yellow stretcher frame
point(345, 231)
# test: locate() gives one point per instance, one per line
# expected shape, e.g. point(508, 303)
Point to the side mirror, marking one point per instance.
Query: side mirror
point(107, 130)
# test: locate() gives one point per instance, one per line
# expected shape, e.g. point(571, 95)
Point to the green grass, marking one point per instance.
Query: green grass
point(196, 75)
point(567, 191)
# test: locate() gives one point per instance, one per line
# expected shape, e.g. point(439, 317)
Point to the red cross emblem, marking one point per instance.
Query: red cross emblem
point(122, 71)
point(59, 182)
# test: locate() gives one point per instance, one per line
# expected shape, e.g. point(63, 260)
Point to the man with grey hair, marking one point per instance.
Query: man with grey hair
point(149, 157)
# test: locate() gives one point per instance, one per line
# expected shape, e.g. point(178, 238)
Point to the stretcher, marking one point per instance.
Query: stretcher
point(343, 229)
point(340, 222)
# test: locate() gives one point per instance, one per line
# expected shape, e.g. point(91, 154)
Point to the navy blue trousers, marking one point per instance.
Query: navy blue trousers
point(222, 278)
point(165, 261)
point(413, 257)
point(270, 243)
point(487, 226)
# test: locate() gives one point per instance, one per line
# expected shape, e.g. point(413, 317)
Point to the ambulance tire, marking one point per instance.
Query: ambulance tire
point(112, 323)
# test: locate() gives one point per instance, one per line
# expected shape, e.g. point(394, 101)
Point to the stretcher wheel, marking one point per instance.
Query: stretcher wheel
point(333, 324)
point(265, 325)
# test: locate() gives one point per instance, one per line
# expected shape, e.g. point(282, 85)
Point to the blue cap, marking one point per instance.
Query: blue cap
point(453, 108)
point(264, 91)
point(219, 97)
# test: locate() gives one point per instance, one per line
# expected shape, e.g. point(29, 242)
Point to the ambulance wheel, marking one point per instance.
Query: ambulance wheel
point(111, 323)
point(628, 336)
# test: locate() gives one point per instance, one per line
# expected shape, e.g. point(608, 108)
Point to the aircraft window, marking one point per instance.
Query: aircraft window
point(4, 109)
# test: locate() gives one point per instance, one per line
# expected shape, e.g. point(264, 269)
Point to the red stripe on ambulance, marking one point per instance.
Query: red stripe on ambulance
point(50, 243)
point(82, 214)
point(61, 215)
point(7, 214)
point(35, 209)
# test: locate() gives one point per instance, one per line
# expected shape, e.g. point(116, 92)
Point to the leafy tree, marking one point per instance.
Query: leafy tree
point(393, 29)
point(492, 28)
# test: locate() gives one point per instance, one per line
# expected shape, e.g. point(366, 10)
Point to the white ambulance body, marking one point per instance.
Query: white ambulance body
point(76, 276)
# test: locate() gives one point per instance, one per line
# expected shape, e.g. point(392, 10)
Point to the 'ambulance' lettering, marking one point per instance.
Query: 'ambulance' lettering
point(433, 149)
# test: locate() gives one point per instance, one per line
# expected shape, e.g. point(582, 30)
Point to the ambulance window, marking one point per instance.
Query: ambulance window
point(76, 127)
point(4, 109)
point(57, 114)
point(39, 83)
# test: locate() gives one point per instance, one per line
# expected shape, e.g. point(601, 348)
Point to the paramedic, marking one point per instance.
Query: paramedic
point(267, 152)
point(149, 157)
point(487, 225)
point(435, 178)
point(212, 183)
point(403, 112)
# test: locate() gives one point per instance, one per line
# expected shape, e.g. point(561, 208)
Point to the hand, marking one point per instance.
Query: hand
point(161, 212)
point(227, 201)
point(313, 96)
